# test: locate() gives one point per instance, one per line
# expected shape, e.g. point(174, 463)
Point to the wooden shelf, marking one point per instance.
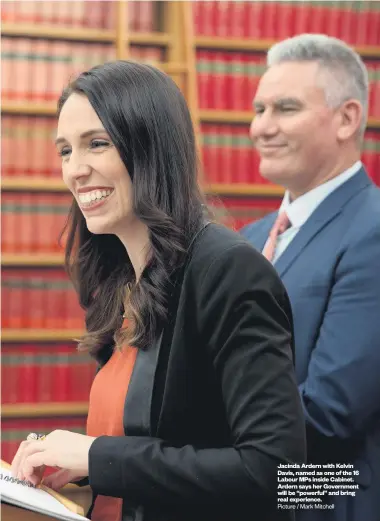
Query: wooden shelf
point(43, 335)
point(246, 44)
point(155, 38)
point(33, 184)
point(233, 44)
point(226, 116)
point(244, 116)
point(34, 410)
point(82, 35)
point(29, 108)
point(211, 116)
point(373, 123)
point(57, 32)
point(244, 189)
point(49, 185)
point(172, 68)
point(32, 259)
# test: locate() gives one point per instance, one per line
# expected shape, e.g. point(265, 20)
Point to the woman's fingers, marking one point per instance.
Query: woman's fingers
point(60, 478)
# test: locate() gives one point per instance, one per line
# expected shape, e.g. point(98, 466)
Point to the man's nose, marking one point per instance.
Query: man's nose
point(264, 124)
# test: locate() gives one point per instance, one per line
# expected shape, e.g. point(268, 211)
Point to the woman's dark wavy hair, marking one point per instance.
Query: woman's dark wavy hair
point(147, 118)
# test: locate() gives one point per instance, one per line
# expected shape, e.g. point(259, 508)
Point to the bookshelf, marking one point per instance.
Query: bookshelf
point(32, 259)
point(245, 44)
point(40, 335)
point(36, 410)
point(57, 185)
point(180, 45)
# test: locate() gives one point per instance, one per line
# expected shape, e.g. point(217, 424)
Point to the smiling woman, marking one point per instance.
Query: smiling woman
point(185, 422)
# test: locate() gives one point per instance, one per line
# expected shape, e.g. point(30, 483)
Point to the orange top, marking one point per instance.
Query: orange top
point(105, 415)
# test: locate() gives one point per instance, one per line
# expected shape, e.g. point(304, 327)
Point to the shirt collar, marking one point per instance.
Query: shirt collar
point(301, 209)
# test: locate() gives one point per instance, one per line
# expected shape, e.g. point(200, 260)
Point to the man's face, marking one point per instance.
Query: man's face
point(294, 130)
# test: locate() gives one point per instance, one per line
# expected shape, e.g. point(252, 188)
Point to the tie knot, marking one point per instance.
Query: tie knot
point(282, 222)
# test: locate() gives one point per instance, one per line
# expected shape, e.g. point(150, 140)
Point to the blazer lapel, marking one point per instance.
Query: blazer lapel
point(324, 213)
point(137, 407)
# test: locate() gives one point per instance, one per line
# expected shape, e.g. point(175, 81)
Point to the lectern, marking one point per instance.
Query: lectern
point(12, 513)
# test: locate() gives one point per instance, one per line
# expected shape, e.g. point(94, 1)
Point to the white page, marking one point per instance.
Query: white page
point(33, 499)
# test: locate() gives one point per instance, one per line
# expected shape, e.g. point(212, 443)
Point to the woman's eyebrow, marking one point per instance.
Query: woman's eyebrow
point(83, 135)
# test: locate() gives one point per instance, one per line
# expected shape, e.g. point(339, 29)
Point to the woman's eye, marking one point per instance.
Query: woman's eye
point(96, 143)
point(64, 151)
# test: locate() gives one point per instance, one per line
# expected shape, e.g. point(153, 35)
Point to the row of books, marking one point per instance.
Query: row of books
point(228, 155)
point(228, 80)
point(44, 373)
point(15, 430)
point(32, 222)
point(356, 22)
point(79, 14)
point(39, 299)
point(43, 68)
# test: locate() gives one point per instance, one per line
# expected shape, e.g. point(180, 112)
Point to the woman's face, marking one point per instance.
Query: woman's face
point(92, 168)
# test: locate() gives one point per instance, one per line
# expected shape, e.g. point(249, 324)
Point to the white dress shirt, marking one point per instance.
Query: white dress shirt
point(301, 208)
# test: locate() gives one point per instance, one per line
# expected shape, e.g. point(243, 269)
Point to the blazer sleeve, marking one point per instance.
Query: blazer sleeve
point(244, 321)
point(340, 395)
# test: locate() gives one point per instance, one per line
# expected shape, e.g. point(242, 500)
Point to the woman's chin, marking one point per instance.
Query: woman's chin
point(97, 227)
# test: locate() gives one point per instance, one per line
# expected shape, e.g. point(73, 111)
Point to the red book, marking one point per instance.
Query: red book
point(27, 376)
point(219, 72)
point(210, 63)
point(7, 65)
point(376, 106)
point(223, 18)
point(205, 150)
point(284, 20)
point(10, 360)
point(27, 219)
point(333, 25)
point(146, 16)
point(302, 15)
point(246, 151)
point(374, 26)
point(213, 172)
point(208, 15)
point(228, 167)
point(198, 18)
point(9, 223)
point(255, 20)
point(220, 144)
point(202, 78)
point(317, 21)
point(269, 17)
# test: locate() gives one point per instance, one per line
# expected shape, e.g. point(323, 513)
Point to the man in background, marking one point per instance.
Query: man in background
point(310, 116)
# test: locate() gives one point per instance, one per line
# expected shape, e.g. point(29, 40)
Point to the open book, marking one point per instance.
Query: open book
point(43, 500)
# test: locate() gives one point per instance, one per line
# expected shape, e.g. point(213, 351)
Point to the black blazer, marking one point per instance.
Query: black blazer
point(213, 406)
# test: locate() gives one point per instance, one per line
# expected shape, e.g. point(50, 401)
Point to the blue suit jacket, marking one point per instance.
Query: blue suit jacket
point(331, 271)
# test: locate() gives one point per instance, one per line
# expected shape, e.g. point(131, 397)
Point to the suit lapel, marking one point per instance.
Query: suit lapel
point(263, 232)
point(325, 212)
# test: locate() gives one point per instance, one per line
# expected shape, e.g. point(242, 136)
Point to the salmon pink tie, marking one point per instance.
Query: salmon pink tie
point(281, 224)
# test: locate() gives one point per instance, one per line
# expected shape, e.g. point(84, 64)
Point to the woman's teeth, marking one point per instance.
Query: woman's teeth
point(94, 196)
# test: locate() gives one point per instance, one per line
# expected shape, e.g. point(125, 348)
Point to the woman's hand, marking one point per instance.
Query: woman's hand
point(60, 449)
point(62, 477)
